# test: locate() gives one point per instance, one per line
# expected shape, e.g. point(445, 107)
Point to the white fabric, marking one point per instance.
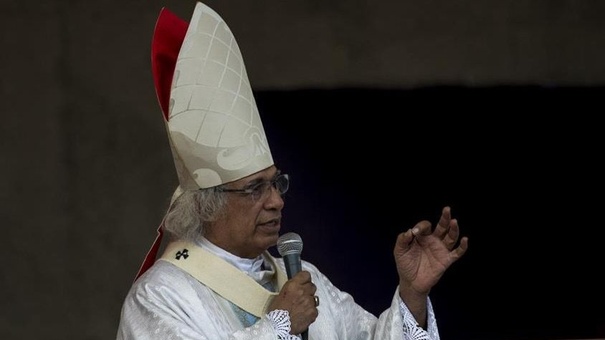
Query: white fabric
point(252, 267)
point(215, 130)
point(167, 303)
point(281, 323)
point(411, 328)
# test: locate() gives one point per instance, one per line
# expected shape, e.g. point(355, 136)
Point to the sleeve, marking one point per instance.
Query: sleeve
point(281, 323)
point(411, 329)
point(351, 321)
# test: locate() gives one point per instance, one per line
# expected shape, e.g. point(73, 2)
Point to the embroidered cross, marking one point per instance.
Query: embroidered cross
point(184, 254)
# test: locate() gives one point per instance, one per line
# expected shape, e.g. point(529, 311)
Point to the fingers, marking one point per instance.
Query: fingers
point(306, 288)
point(452, 235)
point(420, 229)
point(404, 239)
point(303, 278)
point(446, 227)
point(298, 297)
point(444, 224)
point(447, 230)
point(298, 291)
point(300, 287)
point(461, 249)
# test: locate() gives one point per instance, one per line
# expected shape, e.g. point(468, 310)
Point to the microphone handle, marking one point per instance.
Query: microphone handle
point(293, 266)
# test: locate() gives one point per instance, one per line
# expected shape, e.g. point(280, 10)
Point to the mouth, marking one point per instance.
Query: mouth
point(273, 224)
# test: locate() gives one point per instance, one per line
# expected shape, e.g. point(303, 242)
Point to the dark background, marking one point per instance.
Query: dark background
point(382, 112)
point(523, 177)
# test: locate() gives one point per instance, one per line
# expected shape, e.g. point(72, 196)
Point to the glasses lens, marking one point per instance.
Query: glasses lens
point(259, 190)
point(282, 183)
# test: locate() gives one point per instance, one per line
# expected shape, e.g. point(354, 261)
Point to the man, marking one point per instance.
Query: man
point(216, 278)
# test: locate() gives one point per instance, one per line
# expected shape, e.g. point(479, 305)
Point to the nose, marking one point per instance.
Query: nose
point(275, 199)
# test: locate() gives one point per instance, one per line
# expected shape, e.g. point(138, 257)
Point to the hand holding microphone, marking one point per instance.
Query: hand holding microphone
point(297, 296)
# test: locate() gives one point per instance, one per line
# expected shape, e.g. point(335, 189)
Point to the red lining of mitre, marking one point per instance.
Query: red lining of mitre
point(168, 38)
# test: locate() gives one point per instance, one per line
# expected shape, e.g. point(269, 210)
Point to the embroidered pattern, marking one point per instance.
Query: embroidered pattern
point(410, 327)
point(184, 254)
point(281, 322)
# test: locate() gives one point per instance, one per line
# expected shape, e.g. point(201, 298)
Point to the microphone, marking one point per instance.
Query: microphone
point(289, 246)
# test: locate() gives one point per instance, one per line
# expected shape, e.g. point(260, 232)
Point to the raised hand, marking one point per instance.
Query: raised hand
point(423, 255)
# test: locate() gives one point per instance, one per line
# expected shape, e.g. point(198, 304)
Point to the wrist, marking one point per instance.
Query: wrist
point(408, 293)
point(416, 302)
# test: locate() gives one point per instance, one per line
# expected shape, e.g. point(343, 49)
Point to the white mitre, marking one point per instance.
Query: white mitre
point(214, 127)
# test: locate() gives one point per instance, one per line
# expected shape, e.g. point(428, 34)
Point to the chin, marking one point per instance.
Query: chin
point(270, 241)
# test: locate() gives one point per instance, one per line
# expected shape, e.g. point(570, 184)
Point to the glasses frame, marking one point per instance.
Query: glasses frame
point(252, 190)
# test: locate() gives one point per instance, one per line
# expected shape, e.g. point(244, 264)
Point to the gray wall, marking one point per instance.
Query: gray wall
point(87, 171)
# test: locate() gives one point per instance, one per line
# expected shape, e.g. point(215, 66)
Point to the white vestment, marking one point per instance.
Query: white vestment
point(167, 302)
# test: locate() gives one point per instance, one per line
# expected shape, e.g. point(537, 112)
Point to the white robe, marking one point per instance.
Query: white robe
point(168, 303)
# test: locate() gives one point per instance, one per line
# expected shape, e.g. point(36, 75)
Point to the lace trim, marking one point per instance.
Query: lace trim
point(281, 322)
point(410, 327)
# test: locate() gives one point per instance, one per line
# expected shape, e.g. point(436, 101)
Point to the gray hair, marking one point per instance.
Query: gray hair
point(192, 211)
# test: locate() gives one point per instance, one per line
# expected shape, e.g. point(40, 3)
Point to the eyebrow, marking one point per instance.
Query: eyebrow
point(259, 180)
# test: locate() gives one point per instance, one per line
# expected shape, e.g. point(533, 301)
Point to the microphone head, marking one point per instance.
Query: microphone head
point(289, 244)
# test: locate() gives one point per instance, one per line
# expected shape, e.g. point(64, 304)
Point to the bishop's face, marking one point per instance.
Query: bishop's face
point(252, 218)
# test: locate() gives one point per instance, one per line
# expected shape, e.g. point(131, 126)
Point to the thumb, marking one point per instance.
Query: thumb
point(403, 241)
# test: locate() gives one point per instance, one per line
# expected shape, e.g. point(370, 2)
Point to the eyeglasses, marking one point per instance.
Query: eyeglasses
point(258, 190)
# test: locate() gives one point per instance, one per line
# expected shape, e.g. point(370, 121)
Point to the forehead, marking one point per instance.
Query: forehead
point(263, 175)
